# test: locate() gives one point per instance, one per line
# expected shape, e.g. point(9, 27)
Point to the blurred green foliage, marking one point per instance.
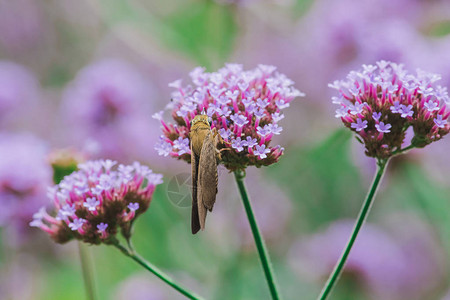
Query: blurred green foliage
point(204, 31)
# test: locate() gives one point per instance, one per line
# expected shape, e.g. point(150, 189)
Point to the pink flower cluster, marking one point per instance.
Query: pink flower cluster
point(93, 202)
point(244, 106)
point(380, 102)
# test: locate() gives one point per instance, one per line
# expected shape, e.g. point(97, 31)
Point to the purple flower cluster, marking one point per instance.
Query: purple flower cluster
point(380, 102)
point(24, 176)
point(106, 107)
point(93, 202)
point(244, 106)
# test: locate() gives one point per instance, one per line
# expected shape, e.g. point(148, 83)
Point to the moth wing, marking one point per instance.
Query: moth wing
point(195, 222)
point(207, 178)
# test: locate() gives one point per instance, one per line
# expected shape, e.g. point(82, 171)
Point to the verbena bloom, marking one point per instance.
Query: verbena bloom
point(107, 108)
point(93, 203)
point(24, 177)
point(380, 102)
point(19, 91)
point(244, 106)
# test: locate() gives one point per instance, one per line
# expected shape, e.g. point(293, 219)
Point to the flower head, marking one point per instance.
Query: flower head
point(106, 107)
point(380, 102)
point(24, 177)
point(93, 202)
point(244, 107)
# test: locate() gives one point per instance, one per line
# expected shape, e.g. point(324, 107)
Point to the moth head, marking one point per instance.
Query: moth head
point(201, 118)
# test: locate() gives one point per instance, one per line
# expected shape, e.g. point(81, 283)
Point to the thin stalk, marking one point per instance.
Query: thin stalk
point(161, 275)
point(259, 241)
point(87, 272)
point(334, 276)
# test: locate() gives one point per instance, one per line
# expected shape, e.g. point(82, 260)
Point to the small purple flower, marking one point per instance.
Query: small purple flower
point(239, 120)
point(376, 116)
point(158, 116)
point(263, 132)
point(261, 151)
point(238, 144)
point(397, 107)
point(225, 133)
point(91, 204)
point(261, 103)
point(281, 104)
point(406, 111)
point(182, 145)
point(431, 105)
point(163, 147)
point(260, 113)
point(274, 128)
point(102, 227)
point(277, 117)
point(249, 142)
point(67, 210)
point(133, 206)
point(359, 125)
point(440, 122)
point(77, 224)
point(383, 128)
point(341, 112)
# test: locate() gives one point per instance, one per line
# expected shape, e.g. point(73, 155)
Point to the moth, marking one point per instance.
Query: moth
point(204, 158)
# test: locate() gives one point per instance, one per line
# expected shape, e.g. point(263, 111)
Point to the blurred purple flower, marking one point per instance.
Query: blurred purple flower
point(18, 92)
point(144, 287)
point(24, 178)
point(273, 216)
point(109, 105)
point(403, 263)
point(17, 36)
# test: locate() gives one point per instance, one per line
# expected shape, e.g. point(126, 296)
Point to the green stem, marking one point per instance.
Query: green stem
point(404, 150)
point(87, 272)
point(334, 276)
point(259, 241)
point(148, 266)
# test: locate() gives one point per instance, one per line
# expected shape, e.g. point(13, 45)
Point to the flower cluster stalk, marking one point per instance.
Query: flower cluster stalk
point(153, 269)
point(334, 276)
point(259, 241)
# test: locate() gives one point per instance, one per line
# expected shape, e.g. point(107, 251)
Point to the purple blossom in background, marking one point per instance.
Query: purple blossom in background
point(24, 177)
point(108, 105)
point(140, 286)
point(384, 138)
point(380, 258)
point(15, 38)
point(19, 91)
point(95, 220)
point(252, 101)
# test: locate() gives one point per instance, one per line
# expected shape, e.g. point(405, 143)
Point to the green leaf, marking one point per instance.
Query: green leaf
point(204, 31)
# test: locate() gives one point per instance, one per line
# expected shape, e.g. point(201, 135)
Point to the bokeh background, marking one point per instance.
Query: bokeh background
point(89, 74)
